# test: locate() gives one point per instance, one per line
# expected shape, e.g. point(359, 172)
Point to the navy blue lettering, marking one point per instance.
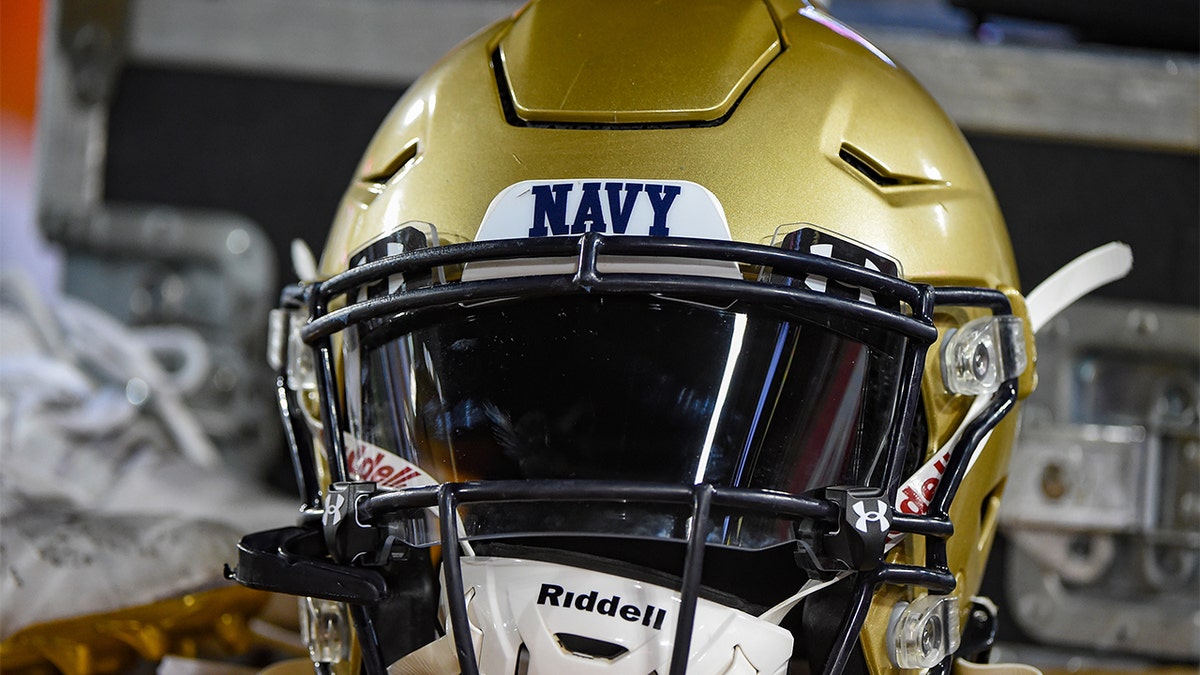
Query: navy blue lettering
point(549, 208)
point(661, 197)
point(619, 210)
point(589, 217)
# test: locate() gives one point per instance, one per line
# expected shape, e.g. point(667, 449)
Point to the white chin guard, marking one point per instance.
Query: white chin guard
point(542, 618)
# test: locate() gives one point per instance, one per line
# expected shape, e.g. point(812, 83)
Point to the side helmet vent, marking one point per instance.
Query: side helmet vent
point(874, 171)
point(389, 171)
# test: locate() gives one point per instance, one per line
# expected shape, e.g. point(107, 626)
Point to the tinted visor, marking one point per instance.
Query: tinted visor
point(631, 388)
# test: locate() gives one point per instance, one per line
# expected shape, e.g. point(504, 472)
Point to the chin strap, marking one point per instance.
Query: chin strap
point(964, 667)
point(776, 613)
point(1097, 267)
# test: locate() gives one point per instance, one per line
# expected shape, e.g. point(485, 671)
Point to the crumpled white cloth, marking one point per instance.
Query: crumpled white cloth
point(58, 560)
point(110, 493)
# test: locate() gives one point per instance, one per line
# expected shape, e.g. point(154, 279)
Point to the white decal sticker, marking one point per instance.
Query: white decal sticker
point(648, 208)
point(609, 206)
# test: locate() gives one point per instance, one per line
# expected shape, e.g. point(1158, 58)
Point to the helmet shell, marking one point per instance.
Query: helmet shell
point(784, 114)
point(827, 131)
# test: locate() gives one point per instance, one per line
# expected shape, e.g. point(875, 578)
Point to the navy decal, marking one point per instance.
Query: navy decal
point(621, 210)
point(661, 197)
point(551, 208)
point(590, 216)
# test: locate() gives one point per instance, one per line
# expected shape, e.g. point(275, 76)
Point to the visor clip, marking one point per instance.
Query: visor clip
point(856, 541)
point(346, 536)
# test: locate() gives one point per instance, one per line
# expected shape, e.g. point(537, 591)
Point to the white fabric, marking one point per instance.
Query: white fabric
point(106, 503)
point(58, 560)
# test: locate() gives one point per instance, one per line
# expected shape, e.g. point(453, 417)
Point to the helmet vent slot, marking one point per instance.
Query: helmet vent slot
point(398, 164)
point(874, 170)
point(871, 170)
point(590, 647)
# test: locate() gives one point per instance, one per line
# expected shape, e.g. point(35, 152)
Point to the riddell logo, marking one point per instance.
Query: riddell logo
point(918, 490)
point(384, 468)
point(556, 596)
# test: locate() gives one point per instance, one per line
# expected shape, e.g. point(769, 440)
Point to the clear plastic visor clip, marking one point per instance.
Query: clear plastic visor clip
point(980, 355)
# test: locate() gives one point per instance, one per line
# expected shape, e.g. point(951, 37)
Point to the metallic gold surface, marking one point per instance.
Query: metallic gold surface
point(213, 622)
point(775, 160)
point(692, 73)
point(289, 667)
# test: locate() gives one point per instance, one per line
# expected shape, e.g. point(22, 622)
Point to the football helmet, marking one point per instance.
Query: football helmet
point(652, 338)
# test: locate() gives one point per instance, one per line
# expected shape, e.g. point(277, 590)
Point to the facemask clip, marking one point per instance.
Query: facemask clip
point(347, 537)
point(857, 541)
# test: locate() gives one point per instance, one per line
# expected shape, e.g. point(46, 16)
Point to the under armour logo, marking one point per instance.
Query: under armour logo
point(333, 510)
point(865, 517)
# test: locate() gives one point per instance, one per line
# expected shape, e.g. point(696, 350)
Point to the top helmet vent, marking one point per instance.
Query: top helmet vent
point(695, 72)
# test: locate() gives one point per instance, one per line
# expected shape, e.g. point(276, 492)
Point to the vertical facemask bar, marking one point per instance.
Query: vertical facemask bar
point(335, 451)
point(914, 365)
point(296, 432)
point(852, 623)
point(690, 587)
point(456, 602)
point(368, 640)
point(330, 404)
point(335, 455)
point(1002, 402)
point(299, 443)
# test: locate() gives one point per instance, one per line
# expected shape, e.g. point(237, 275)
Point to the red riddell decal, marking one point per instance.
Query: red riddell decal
point(368, 463)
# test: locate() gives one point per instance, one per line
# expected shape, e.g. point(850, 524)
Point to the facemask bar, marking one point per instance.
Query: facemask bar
point(299, 440)
point(936, 574)
point(414, 305)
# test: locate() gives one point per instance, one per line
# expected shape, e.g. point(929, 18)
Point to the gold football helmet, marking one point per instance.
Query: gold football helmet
point(653, 337)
